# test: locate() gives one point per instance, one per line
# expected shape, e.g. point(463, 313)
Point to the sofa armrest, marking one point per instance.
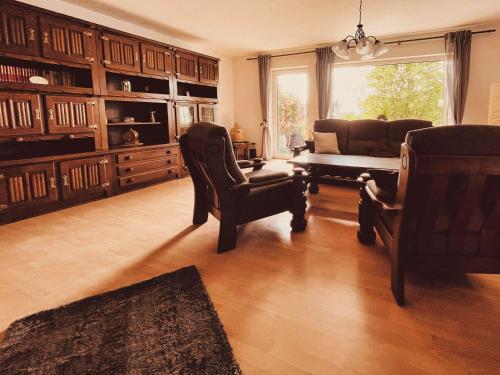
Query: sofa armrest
point(383, 199)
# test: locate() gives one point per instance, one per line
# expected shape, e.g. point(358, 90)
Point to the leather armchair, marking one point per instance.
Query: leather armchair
point(229, 195)
point(444, 212)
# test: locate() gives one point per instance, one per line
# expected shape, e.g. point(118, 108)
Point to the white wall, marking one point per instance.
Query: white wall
point(226, 104)
point(485, 70)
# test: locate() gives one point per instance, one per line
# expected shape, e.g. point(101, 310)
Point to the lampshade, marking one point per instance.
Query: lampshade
point(341, 49)
point(494, 112)
point(365, 46)
point(380, 49)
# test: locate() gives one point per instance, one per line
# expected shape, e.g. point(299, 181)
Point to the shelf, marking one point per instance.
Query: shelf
point(16, 56)
point(45, 88)
point(117, 71)
point(197, 83)
point(132, 123)
point(133, 94)
point(196, 99)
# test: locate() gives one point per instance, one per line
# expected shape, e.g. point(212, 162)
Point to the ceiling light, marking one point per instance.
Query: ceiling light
point(366, 46)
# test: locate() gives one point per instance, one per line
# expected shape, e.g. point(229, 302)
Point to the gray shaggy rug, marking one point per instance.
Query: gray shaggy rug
point(166, 325)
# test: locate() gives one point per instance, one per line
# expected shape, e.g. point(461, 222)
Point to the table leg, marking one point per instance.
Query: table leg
point(313, 181)
point(366, 216)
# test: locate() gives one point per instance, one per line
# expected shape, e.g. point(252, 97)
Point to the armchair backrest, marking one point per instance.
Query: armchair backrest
point(449, 187)
point(208, 154)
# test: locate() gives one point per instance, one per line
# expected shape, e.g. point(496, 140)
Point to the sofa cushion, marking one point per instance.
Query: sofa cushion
point(326, 143)
point(340, 127)
point(397, 130)
point(366, 136)
point(473, 140)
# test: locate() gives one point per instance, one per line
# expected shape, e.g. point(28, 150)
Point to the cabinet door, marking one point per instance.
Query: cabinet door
point(20, 114)
point(24, 187)
point(83, 177)
point(121, 53)
point(186, 66)
point(18, 30)
point(71, 114)
point(209, 70)
point(207, 112)
point(68, 41)
point(185, 116)
point(156, 60)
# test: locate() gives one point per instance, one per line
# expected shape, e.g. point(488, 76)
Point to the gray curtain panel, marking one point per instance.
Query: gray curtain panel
point(265, 93)
point(324, 65)
point(458, 50)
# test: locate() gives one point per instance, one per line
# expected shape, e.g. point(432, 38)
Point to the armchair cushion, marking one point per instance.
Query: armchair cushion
point(385, 179)
point(264, 175)
point(385, 196)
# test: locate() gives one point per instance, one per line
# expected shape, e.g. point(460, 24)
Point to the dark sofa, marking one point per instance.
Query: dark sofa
point(363, 137)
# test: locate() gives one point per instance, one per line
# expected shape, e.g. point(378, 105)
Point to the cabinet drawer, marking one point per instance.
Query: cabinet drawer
point(145, 155)
point(133, 168)
point(149, 176)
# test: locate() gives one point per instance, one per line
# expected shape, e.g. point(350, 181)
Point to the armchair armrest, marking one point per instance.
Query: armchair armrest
point(267, 180)
point(309, 145)
point(381, 199)
point(255, 163)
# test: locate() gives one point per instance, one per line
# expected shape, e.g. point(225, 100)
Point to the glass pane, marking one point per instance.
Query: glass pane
point(207, 114)
point(392, 92)
point(291, 110)
point(186, 118)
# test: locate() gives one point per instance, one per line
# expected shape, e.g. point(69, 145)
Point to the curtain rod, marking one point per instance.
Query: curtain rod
point(391, 42)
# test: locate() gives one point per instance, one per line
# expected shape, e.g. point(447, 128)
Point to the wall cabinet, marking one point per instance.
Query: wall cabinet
point(121, 53)
point(209, 71)
point(67, 41)
point(18, 30)
point(20, 114)
point(27, 186)
point(186, 66)
point(83, 177)
point(156, 60)
point(186, 114)
point(207, 112)
point(71, 114)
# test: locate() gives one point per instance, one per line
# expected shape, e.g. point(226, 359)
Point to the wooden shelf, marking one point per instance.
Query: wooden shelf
point(145, 95)
point(197, 83)
point(45, 60)
point(45, 88)
point(196, 99)
point(132, 123)
point(125, 73)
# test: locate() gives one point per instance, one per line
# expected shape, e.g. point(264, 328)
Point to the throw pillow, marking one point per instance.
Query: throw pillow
point(385, 179)
point(326, 143)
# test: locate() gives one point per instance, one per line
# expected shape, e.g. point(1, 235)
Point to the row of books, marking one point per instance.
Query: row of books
point(16, 73)
point(19, 74)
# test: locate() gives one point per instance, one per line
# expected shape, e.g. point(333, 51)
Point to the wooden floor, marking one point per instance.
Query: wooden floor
point(315, 302)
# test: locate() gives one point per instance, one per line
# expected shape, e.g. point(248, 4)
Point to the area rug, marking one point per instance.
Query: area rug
point(166, 325)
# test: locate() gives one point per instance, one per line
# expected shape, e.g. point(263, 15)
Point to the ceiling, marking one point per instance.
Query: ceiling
point(244, 27)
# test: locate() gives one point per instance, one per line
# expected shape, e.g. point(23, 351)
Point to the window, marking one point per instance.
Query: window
point(290, 96)
point(396, 91)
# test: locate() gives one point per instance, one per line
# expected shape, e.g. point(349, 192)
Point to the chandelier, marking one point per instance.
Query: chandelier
point(367, 47)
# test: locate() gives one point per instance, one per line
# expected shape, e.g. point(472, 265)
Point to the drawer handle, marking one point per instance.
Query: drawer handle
point(129, 157)
point(19, 139)
point(169, 152)
point(45, 37)
point(129, 169)
point(52, 182)
point(130, 180)
point(51, 113)
point(32, 35)
point(169, 171)
point(169, 161)
point(65, 180)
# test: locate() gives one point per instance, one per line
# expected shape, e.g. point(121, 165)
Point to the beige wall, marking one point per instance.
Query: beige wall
point(226, 105)
point(485, 70)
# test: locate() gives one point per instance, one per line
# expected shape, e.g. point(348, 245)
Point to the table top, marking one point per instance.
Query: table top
point(357, 161)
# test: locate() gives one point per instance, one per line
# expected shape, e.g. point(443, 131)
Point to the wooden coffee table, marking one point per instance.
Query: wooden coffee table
point(313, 163)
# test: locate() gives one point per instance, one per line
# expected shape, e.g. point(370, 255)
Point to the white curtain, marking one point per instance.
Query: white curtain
point(265, 93)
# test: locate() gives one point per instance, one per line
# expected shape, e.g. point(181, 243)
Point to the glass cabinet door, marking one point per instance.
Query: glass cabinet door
point(185, 116)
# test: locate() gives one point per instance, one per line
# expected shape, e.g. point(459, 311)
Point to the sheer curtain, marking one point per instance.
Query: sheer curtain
point(265, 92)
point(458, 50)
point(324, 65)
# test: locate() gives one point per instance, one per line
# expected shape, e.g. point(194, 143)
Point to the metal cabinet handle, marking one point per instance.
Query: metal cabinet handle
point(131, 169)
point(51, 113)
point(90, 58)
point(32, 35)
point(144, 58)
point(106, 62)
point(169, 152)
point(52, 182)
point(169, 171)
point(71, 136)
point(129, 180)
point(169, 161)
point(129, 157)
point(19, 139)
point(88, 34)
point(3, 207)
point(45, 37)
point(65, 180)
point(37, 114)
point(137, 56)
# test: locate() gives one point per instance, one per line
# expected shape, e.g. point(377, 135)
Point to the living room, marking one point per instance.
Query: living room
point(249, 187)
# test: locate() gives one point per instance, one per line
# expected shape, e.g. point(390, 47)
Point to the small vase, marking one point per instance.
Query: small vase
point(237, 134)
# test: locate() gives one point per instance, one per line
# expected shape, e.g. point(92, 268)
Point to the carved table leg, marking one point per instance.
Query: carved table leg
point(366, 232)
point(313, 181)
point(299, 222)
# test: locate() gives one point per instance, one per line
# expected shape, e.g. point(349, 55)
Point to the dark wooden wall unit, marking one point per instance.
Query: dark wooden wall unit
point(61, 143)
